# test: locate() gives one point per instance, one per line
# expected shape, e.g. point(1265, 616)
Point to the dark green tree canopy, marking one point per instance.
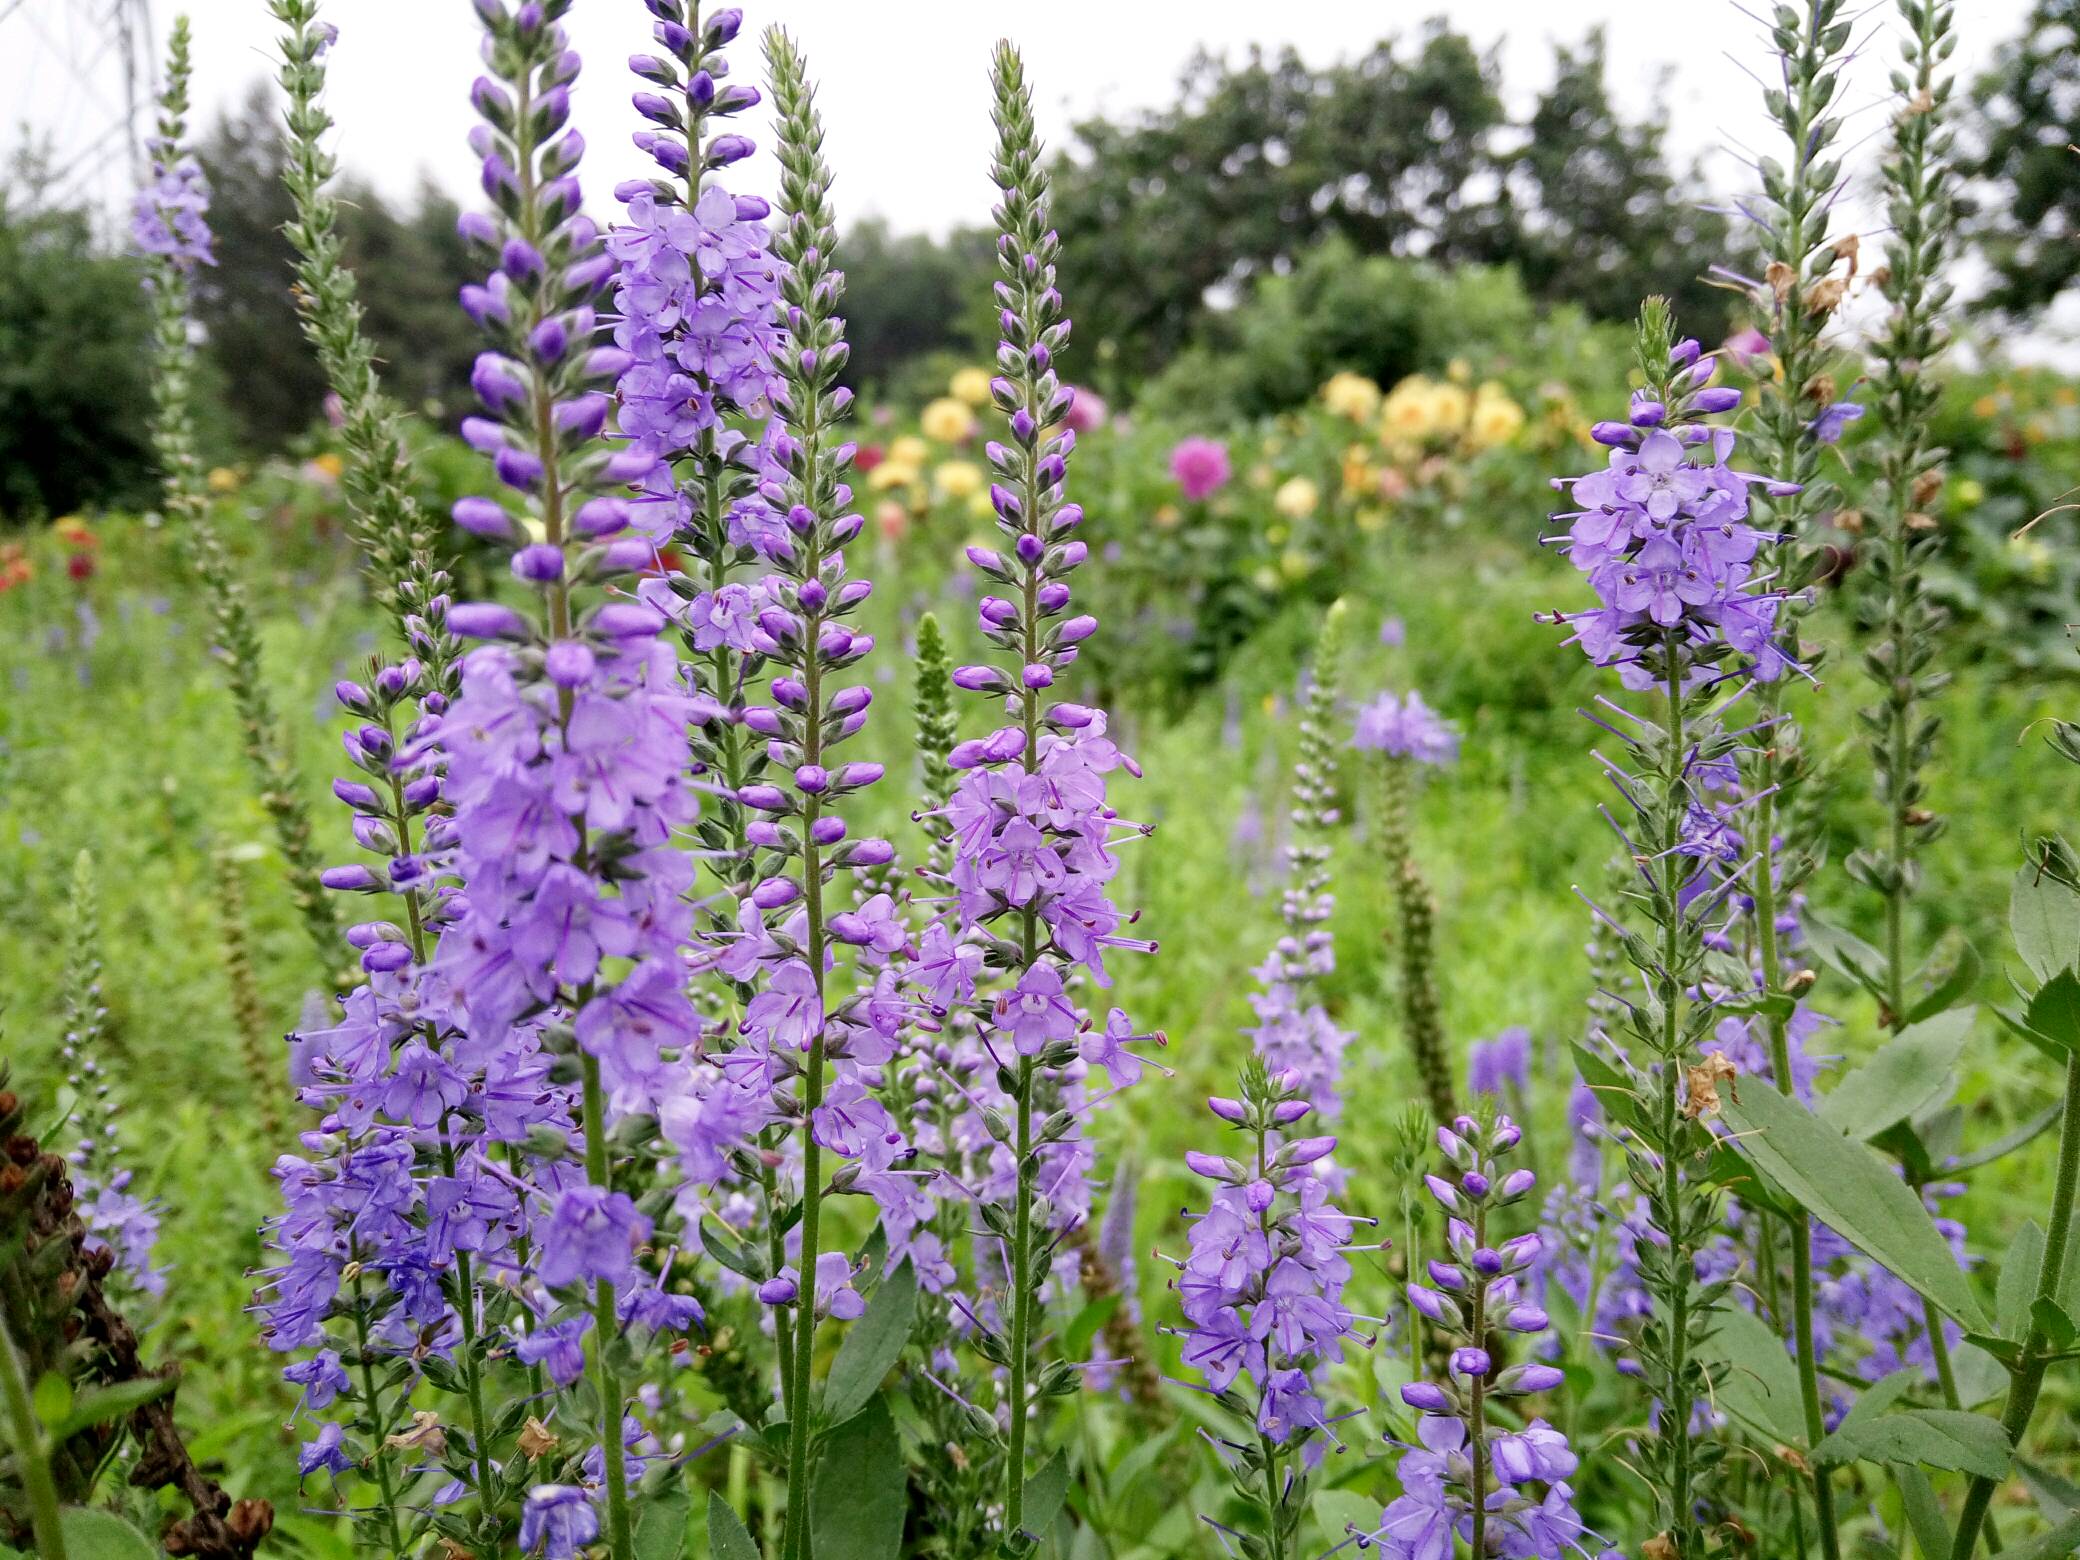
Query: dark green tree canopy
point(2026, 122)
point(1407, 151)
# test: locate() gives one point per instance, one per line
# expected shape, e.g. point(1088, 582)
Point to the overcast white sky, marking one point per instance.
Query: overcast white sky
point(904, 86)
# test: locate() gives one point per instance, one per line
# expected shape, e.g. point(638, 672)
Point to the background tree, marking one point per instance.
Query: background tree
point(2021, 134)
point(74, 395)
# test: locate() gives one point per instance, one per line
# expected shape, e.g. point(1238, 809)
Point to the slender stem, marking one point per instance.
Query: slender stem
point(1267, 1449)
point(1675, 796)
point(375, 1413)
point(620, 1534)
point(1764, 889)
point(2027, 1380)
point(1477, 1410)
point(31, 1455)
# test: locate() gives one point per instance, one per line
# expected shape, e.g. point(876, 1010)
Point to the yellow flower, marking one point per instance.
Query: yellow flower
point(970, 385)
point(1986, 406)
point(891, 473)
point(947, 420)
point(74, 532)
point(1459, 371)
point(223, 480)
point(330, 464)
point(1410, 411)
point(1352, 396)
point(1359, 474)
point(1496, 418)
point(1166, 516)
point(1449, 405)
point(909, 451)
point(1296, 498)
point(957, 479)
point(2066, 395)
point(2034, 431)
point(1971, 492)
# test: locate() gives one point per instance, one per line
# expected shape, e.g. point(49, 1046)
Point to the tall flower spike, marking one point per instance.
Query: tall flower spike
point(1408, 736)
point(1033, 830)
point(1901, 663)
point(1801, 415)
point(118, 1221)
point(1662, 534)
point(1294, 1032)
point(802, 835)
point(170, 227)
point(1505, 1491)
point(1261, 1293)
point(398, 540)
point(695, 292)
point(566, 752)
point(259, 1043)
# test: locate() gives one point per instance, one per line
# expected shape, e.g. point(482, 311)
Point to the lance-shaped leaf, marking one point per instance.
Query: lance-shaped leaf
point(1854, 1192)
point(872, 1346)
point(1906, 1075)
point(1927, 1437)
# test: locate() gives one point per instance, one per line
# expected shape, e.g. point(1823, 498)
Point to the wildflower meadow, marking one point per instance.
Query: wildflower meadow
point(713, 953)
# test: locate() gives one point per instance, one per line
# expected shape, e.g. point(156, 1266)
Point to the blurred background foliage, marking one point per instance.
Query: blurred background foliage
point(1278, 222)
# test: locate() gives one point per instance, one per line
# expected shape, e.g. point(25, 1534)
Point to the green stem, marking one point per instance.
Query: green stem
point(2027, 1379)
point(31, 1455)
point(1477, 1409)
point(620, 1534)
point(375, 1414)
point(1764, 889)
point(1679, 1406)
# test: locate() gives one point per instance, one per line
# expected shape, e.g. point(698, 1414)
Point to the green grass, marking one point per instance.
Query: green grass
point(128, 750)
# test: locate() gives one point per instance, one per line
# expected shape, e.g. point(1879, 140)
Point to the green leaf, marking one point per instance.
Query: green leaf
point(727, 1539)
point(1931, 1437)
point(2059, 1497)
point(872, 1346)
point(1761, 1383)
point(2044, 915)
point(856, 1502)
point(53, 1400)
point(1980, 1377)
point(1905, 1076)
point(2050, 1319)
point(2006, 1144)
point(2017, 1284)
point(1846, 954)
point(1924, 1514)
point(1139, 1461)
point(116, 1402)
point(1953, 989)
point(2054, 1012)
point(102, 1535)
point(2054, 1545)
point(1855, 1193)
point(1616, 1093)
point(661, 1530)
point(1879, 1396)
point(1044, 1493)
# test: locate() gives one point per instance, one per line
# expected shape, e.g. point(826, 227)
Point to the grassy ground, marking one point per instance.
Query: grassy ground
point(125, 746)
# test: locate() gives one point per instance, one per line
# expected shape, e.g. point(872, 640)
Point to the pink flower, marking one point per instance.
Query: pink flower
point(1087, 411)
point(1200, 466)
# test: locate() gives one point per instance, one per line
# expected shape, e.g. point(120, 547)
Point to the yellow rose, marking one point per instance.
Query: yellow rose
point(1352, 396)
point(970, 385)
point(910, 451)
point(1496, 418)
point(1358, 472)
point(1449, 405)
point(1409, 412)
point(1296, 498)
point(891, 473)
point(947, 420)
point(223, 479)
point(957, 479)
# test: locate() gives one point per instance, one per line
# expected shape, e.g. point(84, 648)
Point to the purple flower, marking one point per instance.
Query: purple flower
point(1833, 421)
point(1501, 1063)
point(1406, 728)
point(591, 1235)
point(557, 1521)
point(169, 216)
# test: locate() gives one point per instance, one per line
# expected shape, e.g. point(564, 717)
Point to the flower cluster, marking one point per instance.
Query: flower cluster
point(1261, 1292)
point(1663, 534)
point(1504, 1491)
point(1406, 728)
point(169, 216)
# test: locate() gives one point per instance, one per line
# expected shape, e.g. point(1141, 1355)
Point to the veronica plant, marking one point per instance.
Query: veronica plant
point(1503, 1490)
point(1261, 1292)
point(1294, 1032)
point(1663, 534)
point(1032, 827)
point(1409, 735)
point(169, 227)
